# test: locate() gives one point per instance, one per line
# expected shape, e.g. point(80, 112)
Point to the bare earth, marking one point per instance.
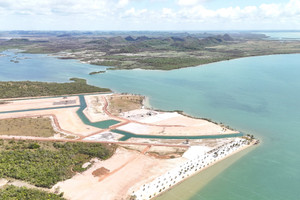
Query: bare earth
point(170, 123)
point(94, 111)
point(38, 103)
point(128, 171)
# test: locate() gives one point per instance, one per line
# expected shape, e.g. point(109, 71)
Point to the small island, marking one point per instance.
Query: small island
point(98, 72)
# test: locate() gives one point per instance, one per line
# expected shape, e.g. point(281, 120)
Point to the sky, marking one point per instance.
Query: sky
point(150, 15)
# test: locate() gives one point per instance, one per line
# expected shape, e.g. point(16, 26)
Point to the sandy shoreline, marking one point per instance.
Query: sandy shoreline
point(140, 195)
point(216, 162)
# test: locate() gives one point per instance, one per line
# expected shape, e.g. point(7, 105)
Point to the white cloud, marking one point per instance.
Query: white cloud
point(189, 2)
point(270, 10)
point(273, 12)
point(123, 3)
point(135, 13)
point(148, 12)
point(58, 6)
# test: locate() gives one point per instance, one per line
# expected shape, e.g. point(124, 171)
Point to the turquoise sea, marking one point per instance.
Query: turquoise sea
point(256, 95)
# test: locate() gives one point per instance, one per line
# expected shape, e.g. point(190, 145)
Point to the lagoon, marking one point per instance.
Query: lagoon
point(256, 95)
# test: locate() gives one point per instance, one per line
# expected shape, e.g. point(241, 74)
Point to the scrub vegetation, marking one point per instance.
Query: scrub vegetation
point(39, 127)
point(44, 164)
point(147, 50)
point(13, 89)
point(21, 193)
point(123, 103)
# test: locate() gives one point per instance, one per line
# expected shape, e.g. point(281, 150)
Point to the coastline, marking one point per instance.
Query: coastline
point(192, 66)
point(263, 131)
point(186, 170)
point(207, 175)
point(146, 104)
point(135, 183)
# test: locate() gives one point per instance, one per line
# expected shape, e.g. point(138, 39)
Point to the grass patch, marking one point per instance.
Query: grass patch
point(39, 127)
point(13, 89)
point(124, 103)
point(45, 163)
point(21, 193)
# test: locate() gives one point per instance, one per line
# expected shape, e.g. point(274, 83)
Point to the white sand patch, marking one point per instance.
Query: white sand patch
point(105, 136)
point(3, 182)
point(195, 151)
point(138, 114)
point(140, 129)
point(159, 117)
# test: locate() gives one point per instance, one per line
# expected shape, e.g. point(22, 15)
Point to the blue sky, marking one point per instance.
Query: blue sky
point(149, 15)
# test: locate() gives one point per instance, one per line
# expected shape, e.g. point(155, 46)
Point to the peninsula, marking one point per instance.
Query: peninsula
point(98, 141)
point(146, 50)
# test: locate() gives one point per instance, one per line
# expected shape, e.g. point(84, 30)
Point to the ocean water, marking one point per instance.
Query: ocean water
point(282, 35)
point(256, 95)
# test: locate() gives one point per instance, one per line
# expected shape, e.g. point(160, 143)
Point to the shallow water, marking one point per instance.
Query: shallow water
point(282, 35)
point(257, 95)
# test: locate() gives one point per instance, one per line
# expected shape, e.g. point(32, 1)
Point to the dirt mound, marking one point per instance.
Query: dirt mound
point(100, 172)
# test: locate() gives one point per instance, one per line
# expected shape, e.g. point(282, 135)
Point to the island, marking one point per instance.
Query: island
point(97, 72)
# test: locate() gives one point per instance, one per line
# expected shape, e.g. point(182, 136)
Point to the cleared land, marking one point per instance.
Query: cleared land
point(40, 127)
point(125, 172)
point(67, 118)
point(148, 122)
point(94, 109)
point(123, 103)
point(39, 103)
point(85, 167)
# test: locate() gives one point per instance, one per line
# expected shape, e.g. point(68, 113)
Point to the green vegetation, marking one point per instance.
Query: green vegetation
point(149, 50)
point(40, 127)
point(45, 163)
point(167, 63)
point(107, 63)
point(98, 72)
point(22, 193)
point(12, 89)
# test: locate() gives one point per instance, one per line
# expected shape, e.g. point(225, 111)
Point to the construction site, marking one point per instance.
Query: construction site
point(158, 141)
